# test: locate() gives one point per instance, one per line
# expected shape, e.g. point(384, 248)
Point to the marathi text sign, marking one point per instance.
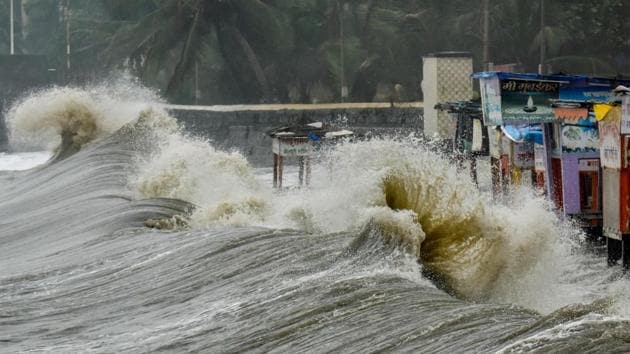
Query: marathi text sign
point(524, 101)
point(517, 101)
point(610, 139)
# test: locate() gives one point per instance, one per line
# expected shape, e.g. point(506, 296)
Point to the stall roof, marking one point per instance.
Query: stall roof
point(472, 108)
point(564, 78)
point(313, 131)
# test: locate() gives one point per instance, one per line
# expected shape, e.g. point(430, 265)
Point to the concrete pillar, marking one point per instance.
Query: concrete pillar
point(446, 77)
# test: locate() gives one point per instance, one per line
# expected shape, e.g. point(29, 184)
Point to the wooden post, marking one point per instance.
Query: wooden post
point(625, 251)
point(614, 250)
point(495, 169)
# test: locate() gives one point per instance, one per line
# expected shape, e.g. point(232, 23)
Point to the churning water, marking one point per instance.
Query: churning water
point(135, 237)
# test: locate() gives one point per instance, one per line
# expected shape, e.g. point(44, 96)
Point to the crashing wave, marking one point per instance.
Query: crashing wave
point(65, 119)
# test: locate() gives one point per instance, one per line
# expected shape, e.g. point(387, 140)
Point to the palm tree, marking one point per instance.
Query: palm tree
point(168, 41)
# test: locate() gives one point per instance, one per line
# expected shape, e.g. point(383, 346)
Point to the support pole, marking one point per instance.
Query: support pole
point(486, 35)
point(614, 250)
point(301, 161)
point(12, 26)
point(473, 170)
point(67, 19)
point(495, 171)
point(547, 136)
point(543, 45)
point(275, 170)
point(625, 251)
point(307, 162)
point(280, 170)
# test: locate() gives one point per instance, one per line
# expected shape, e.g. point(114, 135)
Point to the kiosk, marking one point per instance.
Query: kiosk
point(614, 145)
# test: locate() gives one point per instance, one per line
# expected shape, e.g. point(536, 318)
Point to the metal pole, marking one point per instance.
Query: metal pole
point(67, 18)
point(196, 82)
point(541, 67)
point(486, 35)
point(11, 28)
point(344, 89)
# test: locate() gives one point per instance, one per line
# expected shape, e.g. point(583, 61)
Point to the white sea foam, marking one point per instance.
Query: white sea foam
point(22, 160)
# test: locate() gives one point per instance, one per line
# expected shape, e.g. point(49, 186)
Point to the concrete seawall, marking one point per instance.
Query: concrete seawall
point(244, 128)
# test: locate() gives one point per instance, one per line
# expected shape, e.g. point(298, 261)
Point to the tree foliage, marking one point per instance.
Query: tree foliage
point(251, 51)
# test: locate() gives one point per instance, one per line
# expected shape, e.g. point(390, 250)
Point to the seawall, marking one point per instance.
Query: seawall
point(244, 128)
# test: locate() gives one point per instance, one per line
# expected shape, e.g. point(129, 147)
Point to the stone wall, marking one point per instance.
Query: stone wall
point(246, 130)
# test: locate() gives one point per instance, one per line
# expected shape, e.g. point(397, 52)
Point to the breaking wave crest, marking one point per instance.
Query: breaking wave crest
point(222, 184)
point(64, 119)
point(413, 197)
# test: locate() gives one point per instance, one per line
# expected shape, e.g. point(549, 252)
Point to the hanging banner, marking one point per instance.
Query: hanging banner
point(539, 158)
point(579, 139)
point(477, 136)
point(491, 101)
point(601, 110)
point(571, 115)
point(625, 115)
point(610, 139)
point(524, 155)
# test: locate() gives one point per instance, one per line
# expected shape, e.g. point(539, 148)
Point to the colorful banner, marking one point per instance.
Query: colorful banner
point(570, 115)
point(610, 139)
point(601, 110)
point(579, 139)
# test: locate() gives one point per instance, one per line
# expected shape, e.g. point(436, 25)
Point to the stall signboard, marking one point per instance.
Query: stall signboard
point(524, 155)
point(610, 139)
point(579, 139)
point(527, 101)
point(589, 93)
point(513, 101)
point(625, 115)
point(289, 146)
point(588, 165)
